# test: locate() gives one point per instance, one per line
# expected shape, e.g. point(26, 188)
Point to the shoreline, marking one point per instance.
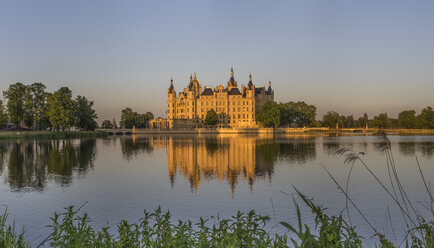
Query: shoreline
point(270, 131)
point(4, 135)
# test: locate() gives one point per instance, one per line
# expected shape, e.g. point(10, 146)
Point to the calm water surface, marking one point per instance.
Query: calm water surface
point(195, 176)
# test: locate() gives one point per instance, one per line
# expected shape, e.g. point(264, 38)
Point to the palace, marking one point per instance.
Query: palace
point(236, 108)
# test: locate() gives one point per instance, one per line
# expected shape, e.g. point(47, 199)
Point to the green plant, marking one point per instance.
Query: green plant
point(8, 236)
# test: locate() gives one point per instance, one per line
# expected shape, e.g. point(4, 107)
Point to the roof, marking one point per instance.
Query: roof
point(207, 92)
point(259, 90)
point(234, 91)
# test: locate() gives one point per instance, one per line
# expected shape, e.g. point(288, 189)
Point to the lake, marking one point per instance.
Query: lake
point(193, 176)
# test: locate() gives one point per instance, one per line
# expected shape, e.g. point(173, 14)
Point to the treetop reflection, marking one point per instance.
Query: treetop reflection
point(31, 164)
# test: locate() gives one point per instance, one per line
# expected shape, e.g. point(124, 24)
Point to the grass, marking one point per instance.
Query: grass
point(50, 134)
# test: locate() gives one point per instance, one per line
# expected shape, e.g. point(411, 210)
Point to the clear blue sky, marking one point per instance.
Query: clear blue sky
point(348, 56)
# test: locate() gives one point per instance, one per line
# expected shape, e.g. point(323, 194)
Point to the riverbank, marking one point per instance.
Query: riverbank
point(51, 134)
point(271, 131)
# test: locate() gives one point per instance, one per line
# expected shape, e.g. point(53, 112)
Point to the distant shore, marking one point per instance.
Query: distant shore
point(51, 134)
point(270, 131)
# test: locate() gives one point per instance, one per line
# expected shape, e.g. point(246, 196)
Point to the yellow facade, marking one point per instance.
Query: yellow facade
point(236, 108)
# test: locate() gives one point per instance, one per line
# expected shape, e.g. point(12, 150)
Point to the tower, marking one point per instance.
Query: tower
point(232, 83)
point(171, 100)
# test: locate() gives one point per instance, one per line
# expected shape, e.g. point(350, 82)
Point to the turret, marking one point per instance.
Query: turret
point(171, 88)
point(171, 99)
point(250, 84)
point(232, 83)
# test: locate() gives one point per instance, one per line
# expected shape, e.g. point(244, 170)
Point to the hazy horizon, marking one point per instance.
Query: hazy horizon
point(351, 57)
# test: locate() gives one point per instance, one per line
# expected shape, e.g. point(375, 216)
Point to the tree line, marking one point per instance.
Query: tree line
point(300, 114)
point(32, 107)
point(290, 114)
point(129, 119)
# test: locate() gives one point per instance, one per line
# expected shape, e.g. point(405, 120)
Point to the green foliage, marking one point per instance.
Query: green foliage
point(130, 119)
point(15, 106)
point(61, 108)
point(3, 115)
point(380, 121)
point(211, 118)
point(332, 119)
point(158, 230)
point(333, 230)
point(407, 119)
point(9, 237)
point(116, 126)
point(84, 114)
point(297, 114)
point(426, 118)
point(269, 114)
point(106, 124)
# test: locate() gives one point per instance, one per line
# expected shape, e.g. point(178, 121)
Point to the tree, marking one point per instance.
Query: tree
point(348, 121)
point(332, 119)
point(129, 118)
point(61, 108)
point(269, 114)
point(426, 118)
point(84, 114)
point(106, 124)
point(3, 115)
point(211, 118)
point(297, 114)
point(381, 121)
point(363, 121)
point(114, 124)
point(15, 106)
point(407, 119)
point(35, 104)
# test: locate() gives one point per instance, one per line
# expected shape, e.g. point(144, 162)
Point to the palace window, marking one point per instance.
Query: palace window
point(239, 109)
point(234, 109)
point(244, 116)
point(239, 116)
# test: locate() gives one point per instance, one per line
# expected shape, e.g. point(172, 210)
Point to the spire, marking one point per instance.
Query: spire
point(191, 78)
point(250, 84)
point(195, 76)
point(232, 71)
point(269, 88)
point(171, 89)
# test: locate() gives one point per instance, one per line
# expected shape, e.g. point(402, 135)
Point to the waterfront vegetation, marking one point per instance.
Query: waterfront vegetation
point(32, 107)
point(300, 114)
point(73, 228)
point(52, 135)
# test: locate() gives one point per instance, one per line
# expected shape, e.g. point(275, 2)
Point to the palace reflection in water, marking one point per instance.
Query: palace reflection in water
point(31, 165)
point(222, 158)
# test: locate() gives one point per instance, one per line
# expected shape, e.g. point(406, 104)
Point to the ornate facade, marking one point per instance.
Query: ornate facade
point(236, 108)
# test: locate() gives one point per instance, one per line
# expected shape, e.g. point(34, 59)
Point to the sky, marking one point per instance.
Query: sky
point(348, 56)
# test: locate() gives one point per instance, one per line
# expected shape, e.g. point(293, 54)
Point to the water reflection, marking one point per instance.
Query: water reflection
point(426, 149)
point(222, 158)
point(32, 164)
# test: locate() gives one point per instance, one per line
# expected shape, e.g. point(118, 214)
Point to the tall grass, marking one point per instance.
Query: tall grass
point(8, 235)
